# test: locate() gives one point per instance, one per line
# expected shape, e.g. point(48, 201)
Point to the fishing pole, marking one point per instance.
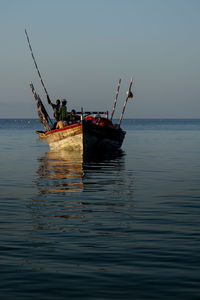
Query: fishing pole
point(48, 99)
point(116, 97)
point(129, 94)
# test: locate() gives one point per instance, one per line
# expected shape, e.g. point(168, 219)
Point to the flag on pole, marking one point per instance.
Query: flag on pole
point(42, 113)
point(129, 95)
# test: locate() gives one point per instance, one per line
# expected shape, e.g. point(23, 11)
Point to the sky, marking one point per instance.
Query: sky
point(83, 47)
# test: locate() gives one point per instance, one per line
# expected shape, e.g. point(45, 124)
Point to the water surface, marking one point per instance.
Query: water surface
point(120, 226)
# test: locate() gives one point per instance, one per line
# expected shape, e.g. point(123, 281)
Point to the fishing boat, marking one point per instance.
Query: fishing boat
point(89, 134)
point(94, 131)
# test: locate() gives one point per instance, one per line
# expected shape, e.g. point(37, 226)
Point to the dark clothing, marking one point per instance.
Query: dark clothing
point(56, 108)
point(73, 118)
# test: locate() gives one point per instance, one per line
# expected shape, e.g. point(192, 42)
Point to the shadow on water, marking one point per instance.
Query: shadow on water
point(64, 171)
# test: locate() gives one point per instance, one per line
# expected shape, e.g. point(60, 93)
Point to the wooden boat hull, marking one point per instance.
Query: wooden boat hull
point(69, 138)
point(85, 136)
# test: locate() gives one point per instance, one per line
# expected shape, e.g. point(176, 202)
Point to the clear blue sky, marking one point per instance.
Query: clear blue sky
point(83, 47)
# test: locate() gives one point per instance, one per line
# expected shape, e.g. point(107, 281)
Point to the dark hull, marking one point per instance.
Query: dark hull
point(96, 137)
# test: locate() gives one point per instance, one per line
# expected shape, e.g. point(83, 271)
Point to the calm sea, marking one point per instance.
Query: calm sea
point(121, 226)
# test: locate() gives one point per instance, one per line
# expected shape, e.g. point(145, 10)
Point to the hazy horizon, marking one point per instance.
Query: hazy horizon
point(83, 47)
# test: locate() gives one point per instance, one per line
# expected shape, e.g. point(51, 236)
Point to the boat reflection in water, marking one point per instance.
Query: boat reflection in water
point(60, 172)
point(74, 191)
point(70, 171)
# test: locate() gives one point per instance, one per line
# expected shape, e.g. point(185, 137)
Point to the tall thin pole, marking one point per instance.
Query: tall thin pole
point(42, 82)
point(116, 97)
point(128, 95)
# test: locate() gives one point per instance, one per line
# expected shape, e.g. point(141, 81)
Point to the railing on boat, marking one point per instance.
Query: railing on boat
point(87, 113)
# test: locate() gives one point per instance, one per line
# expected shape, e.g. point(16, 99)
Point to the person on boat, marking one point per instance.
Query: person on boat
point(63, 111)
point(60, 124)
point(55, 107)
point(73, 118)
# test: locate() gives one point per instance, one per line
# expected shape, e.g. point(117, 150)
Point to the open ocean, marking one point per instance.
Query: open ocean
point(123, 226)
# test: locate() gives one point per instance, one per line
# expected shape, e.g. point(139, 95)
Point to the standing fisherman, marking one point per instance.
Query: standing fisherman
point(56, 108)
point(63, 111)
